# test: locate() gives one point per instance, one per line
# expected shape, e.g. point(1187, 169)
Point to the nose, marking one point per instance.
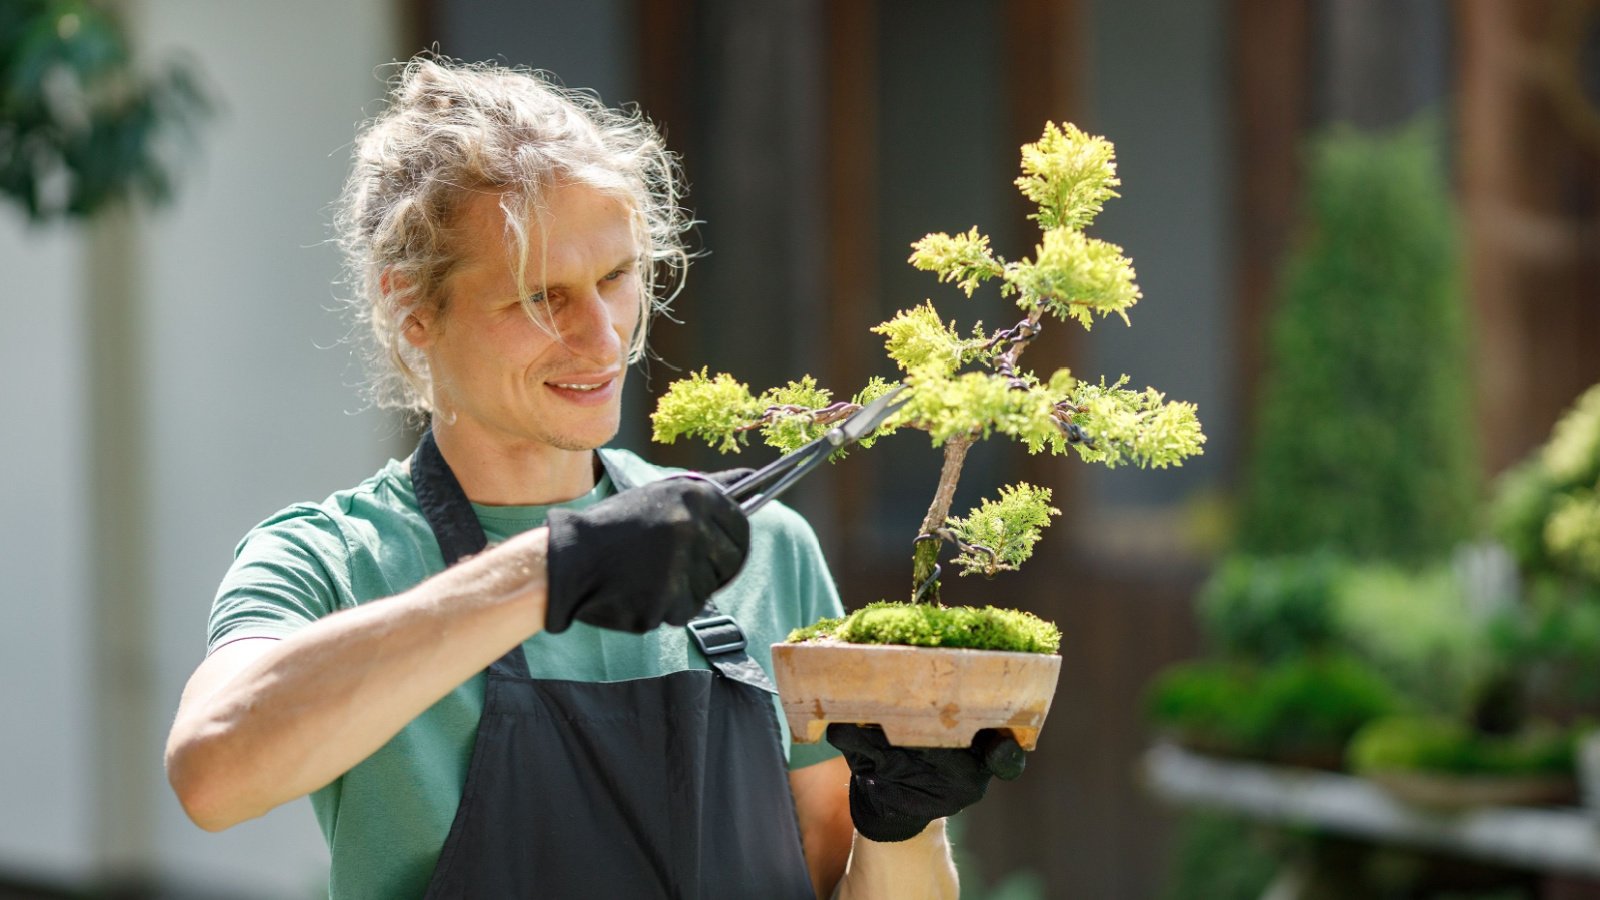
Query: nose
point(595, 329)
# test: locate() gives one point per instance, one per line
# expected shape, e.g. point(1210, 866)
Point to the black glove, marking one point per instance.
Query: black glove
point(649, 555)
point(896, 791)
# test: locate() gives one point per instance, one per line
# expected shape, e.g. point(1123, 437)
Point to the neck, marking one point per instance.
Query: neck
point(510, 473)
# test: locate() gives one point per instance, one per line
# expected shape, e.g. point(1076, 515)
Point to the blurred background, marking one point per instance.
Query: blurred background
point(1368, 237)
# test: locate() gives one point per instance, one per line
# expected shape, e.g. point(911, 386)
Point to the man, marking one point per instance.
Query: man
point(475, 662)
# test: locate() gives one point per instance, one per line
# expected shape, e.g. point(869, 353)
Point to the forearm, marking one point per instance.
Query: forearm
point(920, 867)
point(315, 704)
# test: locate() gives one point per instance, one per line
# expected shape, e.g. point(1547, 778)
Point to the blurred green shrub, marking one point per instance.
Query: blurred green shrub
point(1220, 857)
point(1271, 609)
point(1431, 744)
point(1301, 709)
point(80, 126)
point(1365, 444)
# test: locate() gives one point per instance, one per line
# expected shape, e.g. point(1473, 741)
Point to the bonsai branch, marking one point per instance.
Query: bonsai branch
point(827, 415)
point(925, 555)
point(1017, 337)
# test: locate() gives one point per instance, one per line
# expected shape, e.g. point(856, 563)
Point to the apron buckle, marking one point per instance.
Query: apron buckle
point(716, 635)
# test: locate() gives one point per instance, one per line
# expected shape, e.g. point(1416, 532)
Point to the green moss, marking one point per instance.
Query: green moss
point(819, 629)
point(1431, 744)
point(926, 625)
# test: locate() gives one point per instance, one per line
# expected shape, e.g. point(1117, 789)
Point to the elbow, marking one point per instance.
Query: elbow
point(199, 779)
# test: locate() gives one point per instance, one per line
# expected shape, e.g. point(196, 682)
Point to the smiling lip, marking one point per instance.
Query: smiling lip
point(585, 390)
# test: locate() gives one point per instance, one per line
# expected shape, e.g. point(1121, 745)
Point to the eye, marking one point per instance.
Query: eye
point(618, 273)
point(536, 297)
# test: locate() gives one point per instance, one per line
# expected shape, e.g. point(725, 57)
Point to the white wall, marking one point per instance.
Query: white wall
point(244, 404)
point(45, 700)
point(250, 411)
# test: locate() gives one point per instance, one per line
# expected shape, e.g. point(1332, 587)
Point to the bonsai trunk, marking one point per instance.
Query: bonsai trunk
point(925, 556)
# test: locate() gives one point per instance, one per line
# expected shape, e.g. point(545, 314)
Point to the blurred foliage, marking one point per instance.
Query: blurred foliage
point(1413, 627)
point(1220, 857)
point(1553, 642)
point(1417, 629)
point(80, 127)
point(1020, 884)
point(1363, 446)
point(1546, 509)
point(1270, 609)
point(1301, 709)
point(1433, 744)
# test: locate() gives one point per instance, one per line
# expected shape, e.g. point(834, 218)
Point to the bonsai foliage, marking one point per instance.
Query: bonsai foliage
point(967, 384)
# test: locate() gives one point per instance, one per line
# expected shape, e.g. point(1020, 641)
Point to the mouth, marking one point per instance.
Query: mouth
point(584, 390)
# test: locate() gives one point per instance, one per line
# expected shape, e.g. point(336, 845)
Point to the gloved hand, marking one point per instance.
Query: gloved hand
point(648, 555)
point(896, 791)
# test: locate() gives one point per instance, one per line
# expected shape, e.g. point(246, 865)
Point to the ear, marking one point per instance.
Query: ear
point(420, 327)
point(419, 324)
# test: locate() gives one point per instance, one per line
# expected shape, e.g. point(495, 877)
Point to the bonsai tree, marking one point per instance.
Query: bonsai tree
point(969, 385)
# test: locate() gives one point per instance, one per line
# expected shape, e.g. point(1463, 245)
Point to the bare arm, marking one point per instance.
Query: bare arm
point(263, 722)
point(822, 804)
point(920, 868)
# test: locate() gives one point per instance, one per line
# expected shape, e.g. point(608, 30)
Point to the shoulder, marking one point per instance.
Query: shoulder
point(329, 526)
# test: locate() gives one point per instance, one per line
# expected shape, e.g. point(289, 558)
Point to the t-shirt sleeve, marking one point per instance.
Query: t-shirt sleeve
point(817, 598)
point(280, 580)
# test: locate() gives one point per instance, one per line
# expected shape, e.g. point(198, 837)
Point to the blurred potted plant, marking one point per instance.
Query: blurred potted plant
point(929, 674)
point(1546, 511)
point(1284, 687)
point(80, 127)
point(1442, 763)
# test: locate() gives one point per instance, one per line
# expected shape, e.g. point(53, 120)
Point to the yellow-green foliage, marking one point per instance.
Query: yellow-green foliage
point(1075, 275)
point(964, 386)
point(920, 342)
point(1573, 454)
point(926, 625)
point(791, 432)
point(1009, 527)
point(710, 407)
point(964, 259)
point(1070, 175)
point(1547, 509)
point(1140, 427)
point(1573, 533)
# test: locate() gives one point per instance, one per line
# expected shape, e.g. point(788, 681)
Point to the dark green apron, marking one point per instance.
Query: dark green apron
point(673, 786)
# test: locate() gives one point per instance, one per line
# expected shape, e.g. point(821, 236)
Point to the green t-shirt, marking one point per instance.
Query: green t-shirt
point(386, 819)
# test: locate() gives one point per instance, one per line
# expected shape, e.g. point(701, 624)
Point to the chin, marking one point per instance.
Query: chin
point(587, 439)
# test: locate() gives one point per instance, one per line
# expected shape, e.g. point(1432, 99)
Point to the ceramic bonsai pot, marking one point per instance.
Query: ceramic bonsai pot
point(919, 696)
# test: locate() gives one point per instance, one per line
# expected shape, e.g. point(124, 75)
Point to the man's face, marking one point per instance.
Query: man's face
point(556, 382)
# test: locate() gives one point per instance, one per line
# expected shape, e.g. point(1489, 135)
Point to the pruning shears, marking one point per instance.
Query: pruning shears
point(764, 485)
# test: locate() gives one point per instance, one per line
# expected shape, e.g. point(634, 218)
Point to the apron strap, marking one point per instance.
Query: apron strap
point(449, 513)
point(456, 527)
point(722, 643)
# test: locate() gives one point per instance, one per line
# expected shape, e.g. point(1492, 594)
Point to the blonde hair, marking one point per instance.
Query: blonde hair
point(452, 130)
